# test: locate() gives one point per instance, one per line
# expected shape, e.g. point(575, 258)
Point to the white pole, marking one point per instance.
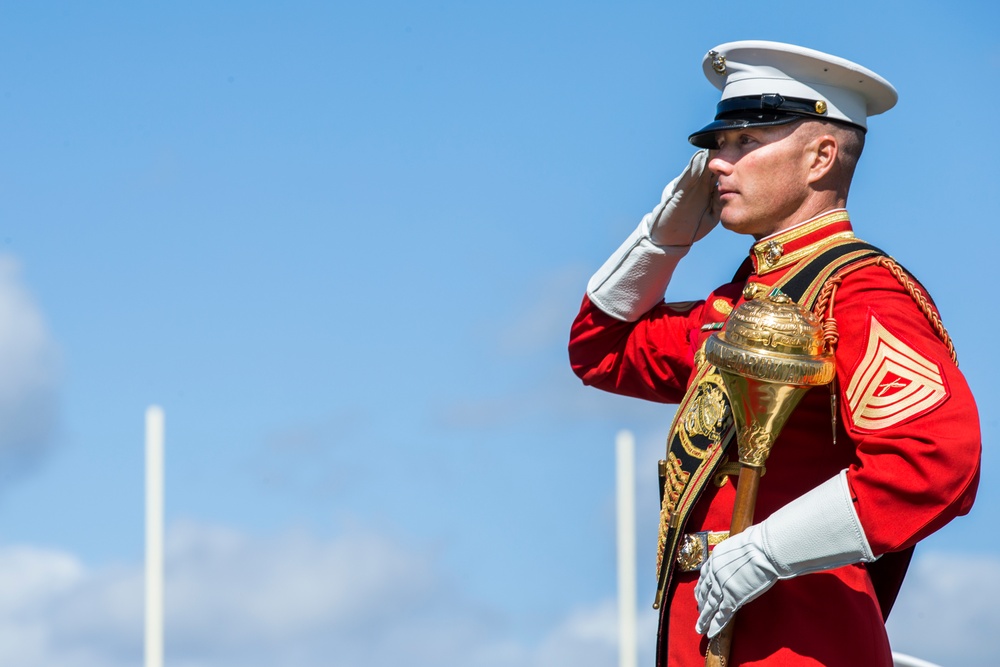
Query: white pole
point(154, 536)
point(625, 455)
point(903, 660)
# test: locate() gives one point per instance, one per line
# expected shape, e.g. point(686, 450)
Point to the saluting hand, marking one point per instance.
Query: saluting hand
point(688, 209)
point(634, 278)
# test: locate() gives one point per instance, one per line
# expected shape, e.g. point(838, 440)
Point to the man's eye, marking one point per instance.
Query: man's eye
point(745, 139)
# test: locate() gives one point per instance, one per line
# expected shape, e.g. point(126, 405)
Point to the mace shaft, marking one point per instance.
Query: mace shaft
point(743, 506)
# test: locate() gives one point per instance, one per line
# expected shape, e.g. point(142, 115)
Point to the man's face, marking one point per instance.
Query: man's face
point(762, 177)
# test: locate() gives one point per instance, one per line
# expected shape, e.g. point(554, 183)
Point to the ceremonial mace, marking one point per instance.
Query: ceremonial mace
point(770, 353)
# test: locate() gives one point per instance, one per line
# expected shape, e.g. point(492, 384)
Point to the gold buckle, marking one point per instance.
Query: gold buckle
point(695, 547)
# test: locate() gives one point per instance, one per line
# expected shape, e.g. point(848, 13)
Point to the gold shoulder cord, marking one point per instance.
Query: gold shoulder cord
point(823, 309)
point(825, 302)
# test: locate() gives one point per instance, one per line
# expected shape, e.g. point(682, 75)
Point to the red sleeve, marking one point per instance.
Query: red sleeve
point(651, 358)
point(908, 410)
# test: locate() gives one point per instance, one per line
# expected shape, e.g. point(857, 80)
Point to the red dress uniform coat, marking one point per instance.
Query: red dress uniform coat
point(907, 432)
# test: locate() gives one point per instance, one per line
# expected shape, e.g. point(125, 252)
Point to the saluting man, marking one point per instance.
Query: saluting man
point(848, 491)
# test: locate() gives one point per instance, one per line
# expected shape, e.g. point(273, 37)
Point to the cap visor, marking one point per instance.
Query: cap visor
point(705, 137)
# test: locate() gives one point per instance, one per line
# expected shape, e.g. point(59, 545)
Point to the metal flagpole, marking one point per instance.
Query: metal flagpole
point(625, 460)
point(903, 660)
point(154, 537)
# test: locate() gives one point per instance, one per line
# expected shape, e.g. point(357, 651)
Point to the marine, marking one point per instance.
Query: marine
point(863, 470)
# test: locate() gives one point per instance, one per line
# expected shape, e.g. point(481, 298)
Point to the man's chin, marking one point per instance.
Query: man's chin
point(732, 224)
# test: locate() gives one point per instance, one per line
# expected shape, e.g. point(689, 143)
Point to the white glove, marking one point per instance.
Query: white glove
point(688, 209)
point(635, 277)
point(819, 531)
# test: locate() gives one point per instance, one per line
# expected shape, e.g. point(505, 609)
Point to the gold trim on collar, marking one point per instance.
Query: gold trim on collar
point(770, 253)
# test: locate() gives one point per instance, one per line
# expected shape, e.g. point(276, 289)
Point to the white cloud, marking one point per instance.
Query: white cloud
point(226, 590)
point(359, 599)
point(28, 376)
point(31, 580)
point(369, 600)
point(946, 612)
point(589, 636)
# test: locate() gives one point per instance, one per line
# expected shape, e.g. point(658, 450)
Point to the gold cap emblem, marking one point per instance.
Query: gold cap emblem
point(820, 107)
point(718, 62)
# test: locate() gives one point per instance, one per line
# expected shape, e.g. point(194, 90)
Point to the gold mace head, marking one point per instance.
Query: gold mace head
point(772, 339)
point(770, 352)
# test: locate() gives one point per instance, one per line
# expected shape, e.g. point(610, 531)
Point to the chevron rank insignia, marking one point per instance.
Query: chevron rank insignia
point(893, 382)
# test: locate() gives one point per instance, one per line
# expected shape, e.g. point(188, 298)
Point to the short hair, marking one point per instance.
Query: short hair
point(851, 142)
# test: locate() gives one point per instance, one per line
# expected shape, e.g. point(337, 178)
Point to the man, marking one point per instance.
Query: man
point(861, 472)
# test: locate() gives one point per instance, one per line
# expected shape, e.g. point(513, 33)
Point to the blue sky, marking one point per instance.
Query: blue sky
point(341, 245)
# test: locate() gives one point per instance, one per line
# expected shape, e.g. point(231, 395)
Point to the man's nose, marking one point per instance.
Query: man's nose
point(719, 165)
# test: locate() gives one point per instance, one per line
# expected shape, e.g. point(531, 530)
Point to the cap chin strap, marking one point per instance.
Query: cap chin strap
point(771, 102)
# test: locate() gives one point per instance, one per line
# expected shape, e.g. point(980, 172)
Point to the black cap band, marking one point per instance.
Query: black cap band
point(764, 110)
point(770, 103)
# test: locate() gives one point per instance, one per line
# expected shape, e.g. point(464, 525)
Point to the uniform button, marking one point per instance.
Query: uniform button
point(753, 290)
point(773, 252)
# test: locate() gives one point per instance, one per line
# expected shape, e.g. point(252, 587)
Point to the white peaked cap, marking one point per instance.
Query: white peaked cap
point(770, 83)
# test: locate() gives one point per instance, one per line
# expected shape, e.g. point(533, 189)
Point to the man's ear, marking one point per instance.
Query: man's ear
point(823, 152)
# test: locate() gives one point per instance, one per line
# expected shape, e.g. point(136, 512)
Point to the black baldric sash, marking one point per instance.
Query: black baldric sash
point(703, 425)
